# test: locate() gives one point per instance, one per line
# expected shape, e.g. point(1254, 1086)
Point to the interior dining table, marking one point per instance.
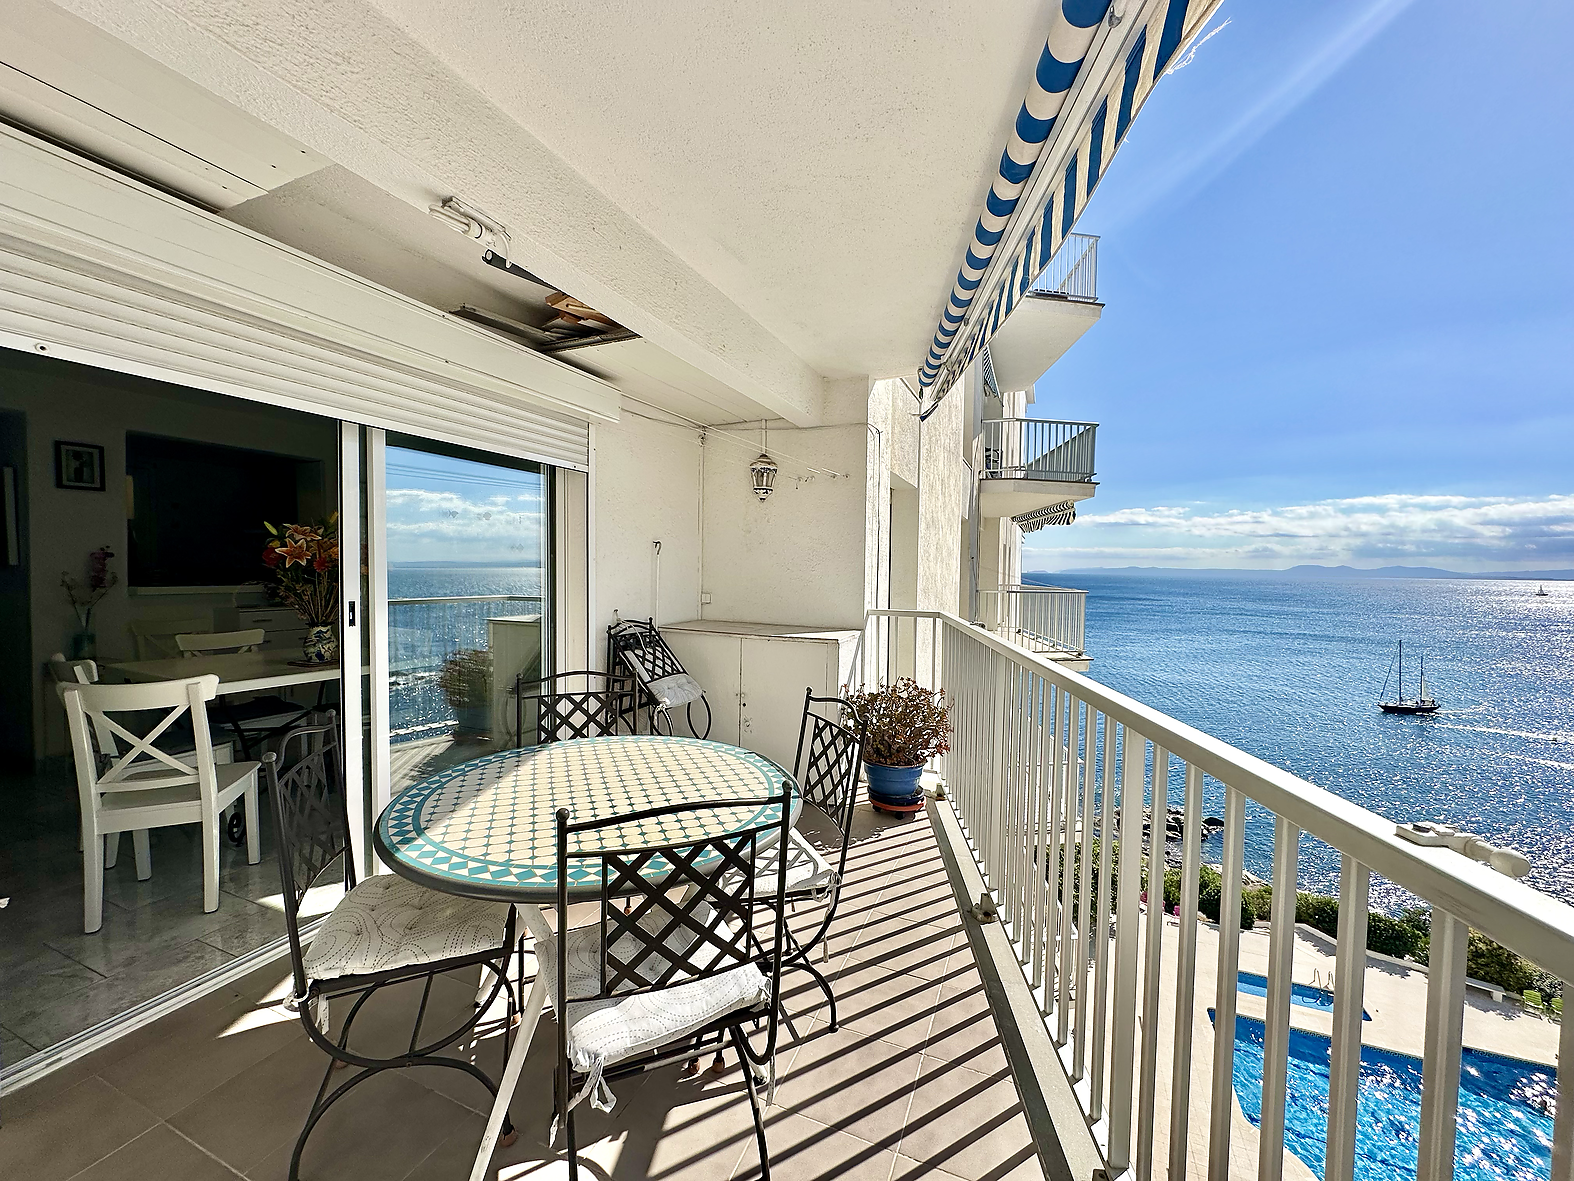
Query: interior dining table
point(488, 829)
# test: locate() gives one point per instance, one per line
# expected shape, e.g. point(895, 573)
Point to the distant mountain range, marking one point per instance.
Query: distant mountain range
point(1320, 572)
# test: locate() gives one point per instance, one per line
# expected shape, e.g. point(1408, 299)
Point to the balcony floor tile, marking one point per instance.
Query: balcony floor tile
point(911, 1084)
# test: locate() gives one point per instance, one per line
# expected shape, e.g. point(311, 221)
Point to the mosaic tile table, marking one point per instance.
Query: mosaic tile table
point(488, 829)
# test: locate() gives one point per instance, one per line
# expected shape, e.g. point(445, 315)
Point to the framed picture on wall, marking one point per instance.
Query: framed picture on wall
point(79, 465)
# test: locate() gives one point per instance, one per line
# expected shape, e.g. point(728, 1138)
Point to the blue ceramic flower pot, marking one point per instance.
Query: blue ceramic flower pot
point(894, 785)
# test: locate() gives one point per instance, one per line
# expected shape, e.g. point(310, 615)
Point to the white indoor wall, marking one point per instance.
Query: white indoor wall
point(647, 489)
point(85, 405)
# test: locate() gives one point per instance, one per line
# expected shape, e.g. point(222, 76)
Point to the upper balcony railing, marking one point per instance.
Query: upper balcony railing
point(1036, 449)
point(1073, 272)
point(1053, 780)
point(1039, 618)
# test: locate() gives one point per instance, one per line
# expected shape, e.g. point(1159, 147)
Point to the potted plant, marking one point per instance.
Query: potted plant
point(85, 596)
point(904, 726)
point(303, 564)
point(466, 681)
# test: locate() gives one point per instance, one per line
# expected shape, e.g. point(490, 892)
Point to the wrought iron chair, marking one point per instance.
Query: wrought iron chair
point(262, 715)
point(682, 969)
point(566, 710)
point(826, 768)
point(636, 647)
point(384, 931)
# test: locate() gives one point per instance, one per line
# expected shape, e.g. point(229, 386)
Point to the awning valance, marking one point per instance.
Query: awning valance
point(1094, 73)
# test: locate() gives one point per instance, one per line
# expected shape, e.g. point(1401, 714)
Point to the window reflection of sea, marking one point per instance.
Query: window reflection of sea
point(423, 635)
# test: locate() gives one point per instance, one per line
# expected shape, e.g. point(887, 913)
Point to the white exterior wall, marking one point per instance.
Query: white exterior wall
point(809, 554)
point(647, 490)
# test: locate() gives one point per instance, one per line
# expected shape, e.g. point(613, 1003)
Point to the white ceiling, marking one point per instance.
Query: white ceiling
point(771, 198)
point(821, 164)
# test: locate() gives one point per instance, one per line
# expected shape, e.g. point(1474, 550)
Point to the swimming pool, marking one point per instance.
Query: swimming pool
point(1300, 994)
point(1505, 1134)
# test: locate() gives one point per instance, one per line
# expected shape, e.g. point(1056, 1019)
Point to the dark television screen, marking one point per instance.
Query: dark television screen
point(196, 510)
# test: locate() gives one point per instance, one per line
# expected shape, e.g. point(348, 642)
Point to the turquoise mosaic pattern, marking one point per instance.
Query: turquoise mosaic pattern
point(488, 828)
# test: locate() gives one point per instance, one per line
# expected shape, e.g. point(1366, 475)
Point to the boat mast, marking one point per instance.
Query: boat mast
point(1421, 692)
point(1401, 671)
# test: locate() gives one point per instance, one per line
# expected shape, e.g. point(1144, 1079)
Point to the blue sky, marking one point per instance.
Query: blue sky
point(442, 509)
point(1338, 263)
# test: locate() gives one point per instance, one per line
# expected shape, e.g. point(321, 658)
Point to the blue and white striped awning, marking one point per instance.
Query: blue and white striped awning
point(1096, 69)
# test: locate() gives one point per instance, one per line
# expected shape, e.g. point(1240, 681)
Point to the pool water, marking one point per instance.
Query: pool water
point(1506, 1109)
point(1300, 994)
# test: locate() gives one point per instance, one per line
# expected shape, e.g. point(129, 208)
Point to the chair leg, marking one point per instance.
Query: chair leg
point(573, 1142)
point(825, 987)
point(253, 829)
point(111, 849)
point(144, 855)
point(210, 864)
point(754, 1107)
point(93, 882)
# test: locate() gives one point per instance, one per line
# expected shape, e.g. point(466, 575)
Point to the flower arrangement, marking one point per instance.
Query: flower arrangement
point(905, 725)
point(85, 596)
point(303, 561)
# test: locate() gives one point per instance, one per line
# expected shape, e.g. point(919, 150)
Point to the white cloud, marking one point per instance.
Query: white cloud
point(1462, 531)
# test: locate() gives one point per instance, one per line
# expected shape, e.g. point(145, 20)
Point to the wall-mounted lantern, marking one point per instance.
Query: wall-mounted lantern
point(762, 472)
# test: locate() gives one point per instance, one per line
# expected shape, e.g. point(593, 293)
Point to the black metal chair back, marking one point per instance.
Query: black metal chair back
point(829, 754)
point(686, 914)
point(584, 704)
point(310, 817)
point(640, 639)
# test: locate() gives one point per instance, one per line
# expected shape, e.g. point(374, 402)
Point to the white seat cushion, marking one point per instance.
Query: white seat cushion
point(604, 1032)
point(808, 872)
point(390, 922)
point(675, 690)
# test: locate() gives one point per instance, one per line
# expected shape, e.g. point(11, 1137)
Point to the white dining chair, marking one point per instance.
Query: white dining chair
point(216, 643)
point(155, 638)
point(181, 745)
point(147, 787)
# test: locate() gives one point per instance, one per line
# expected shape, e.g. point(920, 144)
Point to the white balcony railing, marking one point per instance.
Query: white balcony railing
point(1048, 774)
point(1036, 449)
point(1038, 618)
point(1073, 272)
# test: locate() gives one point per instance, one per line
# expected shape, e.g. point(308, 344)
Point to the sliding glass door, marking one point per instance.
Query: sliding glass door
point(466, 558)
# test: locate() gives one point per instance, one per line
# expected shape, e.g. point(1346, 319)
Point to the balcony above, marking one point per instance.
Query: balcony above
point(1061, 305)
point(1027, 464)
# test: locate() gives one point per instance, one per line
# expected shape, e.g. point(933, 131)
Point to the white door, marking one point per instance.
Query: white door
point(712, 660)
point(775, 672)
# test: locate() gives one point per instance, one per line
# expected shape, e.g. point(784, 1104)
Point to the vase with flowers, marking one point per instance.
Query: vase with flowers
point(904, 726)
point(85, 596)
point(303, 574)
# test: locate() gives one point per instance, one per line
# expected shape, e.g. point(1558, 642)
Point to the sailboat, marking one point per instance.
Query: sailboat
point(1421, 703)
point(1541, 592)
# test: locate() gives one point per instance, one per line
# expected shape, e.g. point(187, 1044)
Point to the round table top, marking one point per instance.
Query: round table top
point(488, 828)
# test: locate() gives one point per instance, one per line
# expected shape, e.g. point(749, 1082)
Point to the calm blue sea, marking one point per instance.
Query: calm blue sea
point(1290, 670)
point(423, 635)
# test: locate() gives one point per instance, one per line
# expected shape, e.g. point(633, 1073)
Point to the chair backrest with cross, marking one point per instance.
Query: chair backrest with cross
point(675, 909)
point(584, 704)
point(143, 766)
point(215, 643)
point(829, 754)
point(311, 819)
point(155, 638)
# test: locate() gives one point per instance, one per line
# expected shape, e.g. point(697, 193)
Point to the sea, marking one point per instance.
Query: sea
point(1291, 669)
point(422, 636)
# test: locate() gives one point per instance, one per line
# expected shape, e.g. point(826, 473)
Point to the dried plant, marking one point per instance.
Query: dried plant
point(904, 724)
